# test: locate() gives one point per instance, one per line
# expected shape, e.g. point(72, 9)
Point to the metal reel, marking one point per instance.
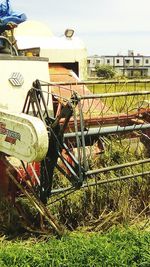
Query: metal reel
point(81, 130)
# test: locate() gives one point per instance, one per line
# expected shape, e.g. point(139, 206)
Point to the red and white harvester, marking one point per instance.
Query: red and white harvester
point(50, 119)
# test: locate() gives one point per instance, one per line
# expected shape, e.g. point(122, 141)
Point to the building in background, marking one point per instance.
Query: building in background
point(125, 65)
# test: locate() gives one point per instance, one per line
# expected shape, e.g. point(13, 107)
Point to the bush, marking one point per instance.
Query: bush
point(105, 71)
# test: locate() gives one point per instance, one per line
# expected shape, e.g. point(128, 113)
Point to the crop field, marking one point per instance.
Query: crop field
point(122, 103)
point(119, 86)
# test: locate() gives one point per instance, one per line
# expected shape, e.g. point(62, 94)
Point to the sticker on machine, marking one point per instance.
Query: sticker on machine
point(11, 136)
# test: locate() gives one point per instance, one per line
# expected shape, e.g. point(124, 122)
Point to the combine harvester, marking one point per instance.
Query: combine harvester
point(50, 119)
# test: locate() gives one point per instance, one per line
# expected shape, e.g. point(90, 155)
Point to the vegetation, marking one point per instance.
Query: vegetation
point(121, 104)
point(120, 247)
point(105, 71)
point(113, 86)
point(122, 202)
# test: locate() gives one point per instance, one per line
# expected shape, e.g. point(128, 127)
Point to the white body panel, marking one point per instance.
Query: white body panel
point(12, 97)
point(23, 136)
point(58, 49)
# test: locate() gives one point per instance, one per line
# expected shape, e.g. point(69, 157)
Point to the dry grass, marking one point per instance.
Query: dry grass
point(121, 202)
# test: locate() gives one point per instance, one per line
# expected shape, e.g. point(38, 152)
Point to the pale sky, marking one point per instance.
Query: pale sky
point(106, 26)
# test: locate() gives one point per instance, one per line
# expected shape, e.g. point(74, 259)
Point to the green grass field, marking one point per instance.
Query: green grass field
point(123, 103)
point(118, 248)
point(119, 86)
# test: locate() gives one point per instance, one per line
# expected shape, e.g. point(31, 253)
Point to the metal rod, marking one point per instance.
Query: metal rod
point(62, 190)
point(101, 182)
point(86, 166)
point(109, 130)
point(118, 94)
point(126, 177)
point(116, 167)
point(96, 82)
point(78, 143)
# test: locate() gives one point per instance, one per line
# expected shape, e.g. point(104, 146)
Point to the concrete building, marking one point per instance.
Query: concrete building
point(125, 65)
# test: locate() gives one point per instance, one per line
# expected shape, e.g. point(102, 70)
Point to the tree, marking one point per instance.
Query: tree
point(105, 71)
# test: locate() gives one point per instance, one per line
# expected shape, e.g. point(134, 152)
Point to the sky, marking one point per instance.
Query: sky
point(107, 27)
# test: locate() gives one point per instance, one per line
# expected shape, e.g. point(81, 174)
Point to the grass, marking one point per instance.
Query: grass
point(122, 104)
point(112, 203)
point(122, 86)
point(119, 247)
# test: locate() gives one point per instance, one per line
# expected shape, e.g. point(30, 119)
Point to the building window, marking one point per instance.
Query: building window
point(127, 61)
point(137, 61)
point(146, 61)
point(88, 61)
point(97, 61)
point(108, 61)
point(117, 61)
